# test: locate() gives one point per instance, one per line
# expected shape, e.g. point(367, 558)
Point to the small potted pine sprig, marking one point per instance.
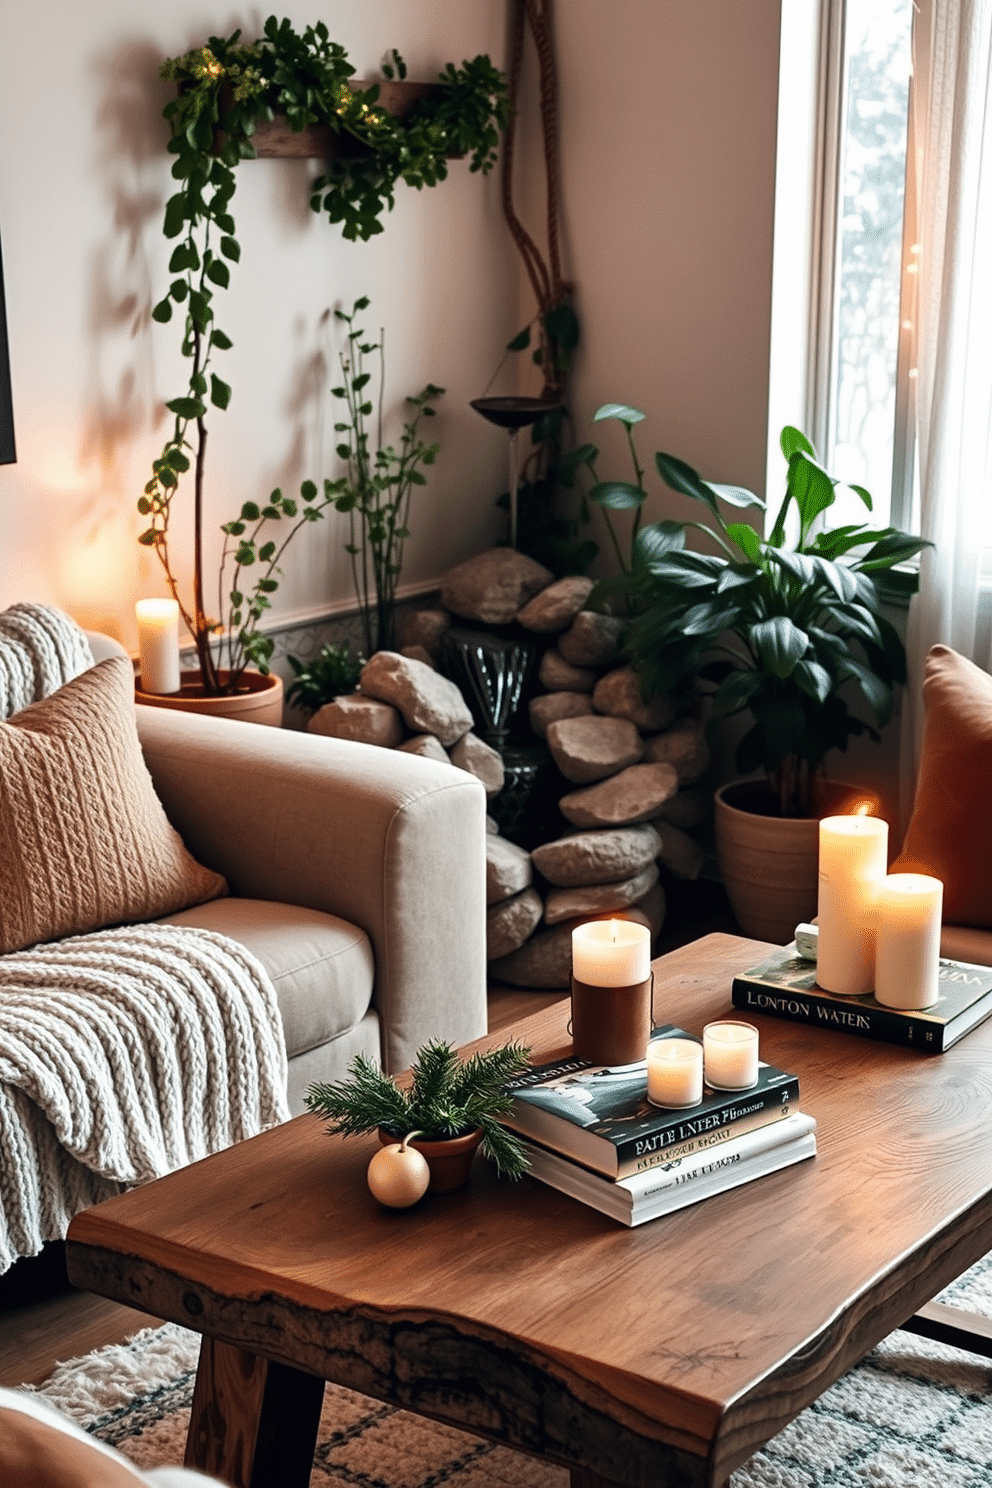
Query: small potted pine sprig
point(430, 1131)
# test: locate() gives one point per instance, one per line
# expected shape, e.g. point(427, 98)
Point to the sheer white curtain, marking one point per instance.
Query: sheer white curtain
point(953, 128)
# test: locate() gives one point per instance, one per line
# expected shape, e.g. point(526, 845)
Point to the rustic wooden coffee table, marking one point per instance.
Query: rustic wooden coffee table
point(662, 1355)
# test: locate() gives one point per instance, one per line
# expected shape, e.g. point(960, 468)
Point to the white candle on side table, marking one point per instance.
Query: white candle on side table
point(730, 1055)
point(907, 956)
point(853, 854)
point(675, 1072)
point(611, 991)
point(158, 644)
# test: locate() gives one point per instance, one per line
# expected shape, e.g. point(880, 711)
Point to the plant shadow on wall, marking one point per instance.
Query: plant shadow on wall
point(773, 627)
point(225, 90)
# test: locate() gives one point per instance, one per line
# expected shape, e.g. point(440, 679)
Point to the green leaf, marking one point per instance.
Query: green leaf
point(878, 693)
point(250, 511)
point(736, 495)
point(162, 312)
point(186, 408)
point(521, 341)
point(175, 459)
point(175, 215)
point(779, 644)
point(617, 495)
point(656, 542)
point(219, 273)
point(746, 539)
point(792, 439)
point(682, 478)
point(231, 248)
point(562, 323)
point(620, 411)
point(220, 392)
point(220, 340)
point(735, 692)
point(814, 680)
point(799, 565)
point(810, 486)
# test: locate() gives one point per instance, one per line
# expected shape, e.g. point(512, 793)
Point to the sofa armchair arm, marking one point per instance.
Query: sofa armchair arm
point(392, 843)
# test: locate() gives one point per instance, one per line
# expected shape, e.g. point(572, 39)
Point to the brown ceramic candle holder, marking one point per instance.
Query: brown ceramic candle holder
point(611, 1025)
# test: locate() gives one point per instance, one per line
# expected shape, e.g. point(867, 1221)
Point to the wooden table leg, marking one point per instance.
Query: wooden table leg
point(254, 1422)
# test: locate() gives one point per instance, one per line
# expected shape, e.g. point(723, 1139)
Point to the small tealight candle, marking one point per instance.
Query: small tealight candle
point(730, 1055)
point(675, 1072)
point(158, 644)
point(853, 853)
point(907, 956)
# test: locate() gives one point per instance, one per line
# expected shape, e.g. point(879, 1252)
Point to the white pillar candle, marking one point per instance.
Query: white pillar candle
point(853, 853)
point(611, 953)
point(730, 1055)
point(675, 1072)
point(158, 644)
point(907, 956)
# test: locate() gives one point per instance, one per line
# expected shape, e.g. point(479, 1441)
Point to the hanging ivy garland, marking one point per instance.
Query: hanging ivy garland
point(224, 90)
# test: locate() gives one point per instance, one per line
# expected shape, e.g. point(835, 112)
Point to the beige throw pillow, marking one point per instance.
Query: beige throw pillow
point(84, 841)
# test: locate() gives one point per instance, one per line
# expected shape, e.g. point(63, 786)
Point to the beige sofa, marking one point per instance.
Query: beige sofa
point(357, 877)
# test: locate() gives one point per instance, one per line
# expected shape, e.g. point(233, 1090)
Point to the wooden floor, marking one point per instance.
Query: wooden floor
point(56, 1322)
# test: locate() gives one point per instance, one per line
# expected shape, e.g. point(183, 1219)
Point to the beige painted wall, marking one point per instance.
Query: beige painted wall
point(83, 176)
point(668, 122)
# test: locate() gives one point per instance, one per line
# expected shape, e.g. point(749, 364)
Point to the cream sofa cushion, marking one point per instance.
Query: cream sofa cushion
point(321, 966)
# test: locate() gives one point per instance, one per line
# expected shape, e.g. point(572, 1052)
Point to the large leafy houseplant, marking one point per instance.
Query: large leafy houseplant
point(447, 1097)
point(782, 626)
point(224, 90)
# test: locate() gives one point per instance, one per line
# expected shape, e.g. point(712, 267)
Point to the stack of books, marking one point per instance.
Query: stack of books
point(591, 1132)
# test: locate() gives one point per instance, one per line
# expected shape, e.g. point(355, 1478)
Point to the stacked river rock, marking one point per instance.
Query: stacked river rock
point(633, 767)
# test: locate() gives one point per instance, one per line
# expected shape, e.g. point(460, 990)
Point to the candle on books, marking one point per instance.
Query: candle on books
point(611, 991)
point(907, 956)
point(675, 1072)
point(853, 852)
point(158, 644)
point(730, 1055)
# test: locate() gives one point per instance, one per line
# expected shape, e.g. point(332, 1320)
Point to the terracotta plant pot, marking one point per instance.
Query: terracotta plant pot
point(259, 702)
point(769, 863)
point(449, 1160)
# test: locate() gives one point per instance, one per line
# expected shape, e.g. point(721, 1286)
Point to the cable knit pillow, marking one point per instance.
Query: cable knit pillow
point(84, 841)
point(951, 827)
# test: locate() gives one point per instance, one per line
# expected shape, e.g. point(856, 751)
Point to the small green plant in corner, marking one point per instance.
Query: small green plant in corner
point(332, 671)
point(447, 1097)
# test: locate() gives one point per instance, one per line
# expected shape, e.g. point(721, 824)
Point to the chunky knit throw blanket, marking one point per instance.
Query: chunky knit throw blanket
point(125, 1054)
point(40, 650)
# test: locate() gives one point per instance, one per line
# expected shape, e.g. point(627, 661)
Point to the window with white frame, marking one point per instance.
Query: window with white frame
point(861, 403)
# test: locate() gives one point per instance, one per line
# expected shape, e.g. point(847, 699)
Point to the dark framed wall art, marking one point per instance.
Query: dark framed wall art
point(8, 453)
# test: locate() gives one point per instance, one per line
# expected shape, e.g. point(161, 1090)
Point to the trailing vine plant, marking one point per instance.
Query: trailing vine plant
point(224, 90)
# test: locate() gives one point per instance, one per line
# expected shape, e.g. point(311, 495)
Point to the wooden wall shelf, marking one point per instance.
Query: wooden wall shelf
point(273, 138)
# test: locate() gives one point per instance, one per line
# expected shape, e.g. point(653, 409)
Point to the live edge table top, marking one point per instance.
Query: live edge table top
point(666, 1354)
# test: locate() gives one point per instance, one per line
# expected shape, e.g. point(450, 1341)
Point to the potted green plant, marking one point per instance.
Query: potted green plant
point(332, 671)
point(225, 90)
point(451, 1108)
point(781, 627)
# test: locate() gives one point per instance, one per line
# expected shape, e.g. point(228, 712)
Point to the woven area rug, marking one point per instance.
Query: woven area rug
point(913, 1414)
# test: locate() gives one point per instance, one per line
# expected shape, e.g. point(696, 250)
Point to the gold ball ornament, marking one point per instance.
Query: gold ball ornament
point(398, 1175)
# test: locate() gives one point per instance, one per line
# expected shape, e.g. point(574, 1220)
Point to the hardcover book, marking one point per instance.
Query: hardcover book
point(684, 1181)
point(600, 1115)
point(785, 986)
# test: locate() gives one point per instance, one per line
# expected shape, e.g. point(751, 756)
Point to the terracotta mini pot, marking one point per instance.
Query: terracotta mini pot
point(260, 700)
point(449, 1160)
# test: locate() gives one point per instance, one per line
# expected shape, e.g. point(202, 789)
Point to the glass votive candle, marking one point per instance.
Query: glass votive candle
point(675, 1072)
point(730, 1055)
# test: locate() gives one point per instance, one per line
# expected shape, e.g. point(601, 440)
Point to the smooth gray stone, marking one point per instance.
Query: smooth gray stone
point(570, 904)
point(555, 607)
point(688, 809)
point(424, 628)
point(353, 716)
point(510, 923)
point(592, 640)
point(493, 586)
point(684, 747)
point(481, 760)
point(492, 826)
point(508, 869)
point(680, 853)
point(429, 703)
point(606, 856)
point(427, 746)
point(558, 675)
point(635, 795)
point(618, 694)
point(587, 749)
point(549, 707)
